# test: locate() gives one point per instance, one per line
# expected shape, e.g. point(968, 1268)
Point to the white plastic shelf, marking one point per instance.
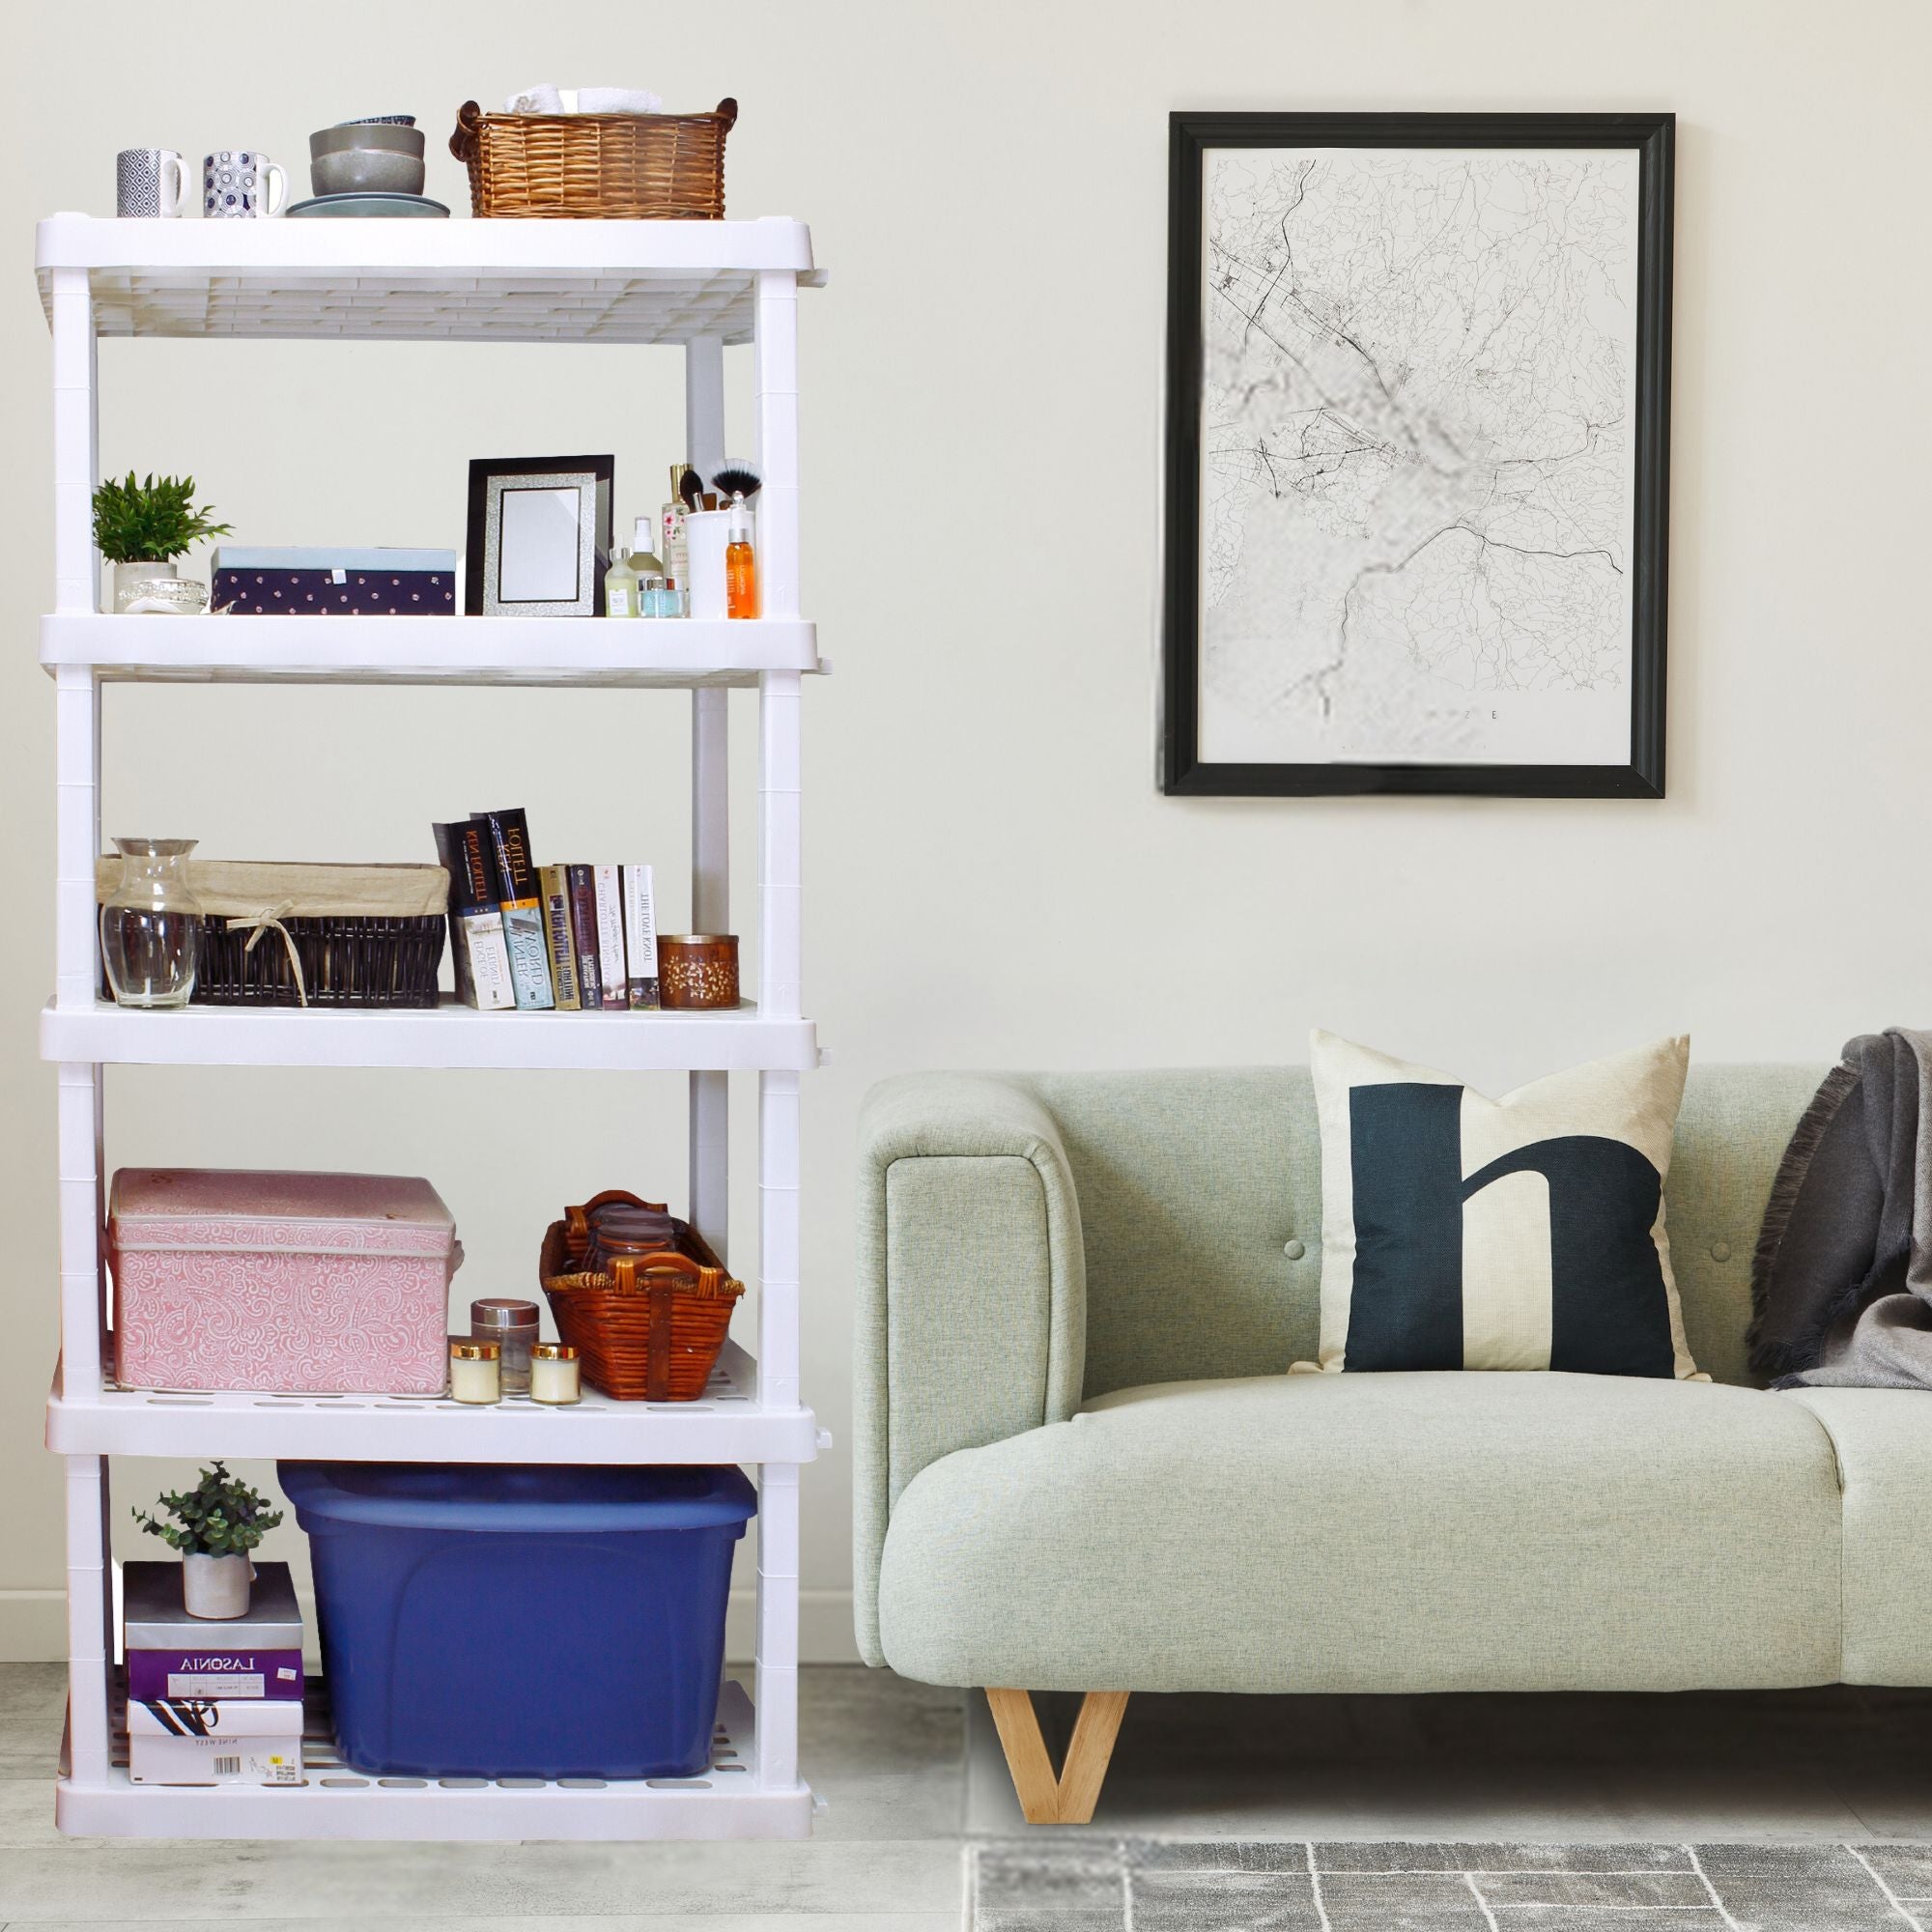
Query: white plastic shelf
point(336, 1800)
point(738, 1039)
point(673, 652)
point(426, 281)
point(727, 1424)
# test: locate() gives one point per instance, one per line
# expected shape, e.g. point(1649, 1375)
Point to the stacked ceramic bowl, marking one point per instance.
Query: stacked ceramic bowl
point(368, 167)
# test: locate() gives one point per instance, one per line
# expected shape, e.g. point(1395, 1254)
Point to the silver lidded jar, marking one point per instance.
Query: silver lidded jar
point(512, 1324)
point(150, 924)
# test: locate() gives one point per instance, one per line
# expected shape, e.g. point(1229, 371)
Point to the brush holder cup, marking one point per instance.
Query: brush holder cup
point(708, 536)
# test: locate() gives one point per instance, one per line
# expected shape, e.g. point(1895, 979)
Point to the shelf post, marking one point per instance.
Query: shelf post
point(89, 1615)
point(776, 1677)
point(76, 440)
point(780, 855)
point(774, 346)
point(76, 834)
point(710, 1093)
point(78, 1100)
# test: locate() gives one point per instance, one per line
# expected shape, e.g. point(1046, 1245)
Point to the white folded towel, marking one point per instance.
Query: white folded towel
point(617, 101)
point(548, 99)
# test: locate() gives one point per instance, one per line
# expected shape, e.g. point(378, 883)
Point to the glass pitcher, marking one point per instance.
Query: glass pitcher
point(150, 924)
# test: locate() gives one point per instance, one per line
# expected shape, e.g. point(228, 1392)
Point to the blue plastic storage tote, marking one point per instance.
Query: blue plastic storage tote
point(482, 1622)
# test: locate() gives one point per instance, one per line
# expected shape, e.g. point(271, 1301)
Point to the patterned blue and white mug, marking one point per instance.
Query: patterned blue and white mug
point(150, 184)
point(242, 185)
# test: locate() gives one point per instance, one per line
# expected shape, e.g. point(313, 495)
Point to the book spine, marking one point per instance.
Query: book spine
point(554, 883)
point(584, 935)
point(641, 940)
point(451, 858)
point(610, 938)
point(481, 917)
point(523, 909)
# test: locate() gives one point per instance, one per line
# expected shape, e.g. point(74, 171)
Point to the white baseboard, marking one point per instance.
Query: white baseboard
point(33, 1626)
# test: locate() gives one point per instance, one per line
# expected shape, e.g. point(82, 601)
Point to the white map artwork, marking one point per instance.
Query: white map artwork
point(1417, 482)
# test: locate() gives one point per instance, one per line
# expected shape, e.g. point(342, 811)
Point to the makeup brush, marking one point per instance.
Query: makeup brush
point(687, 486)
point(735, 480)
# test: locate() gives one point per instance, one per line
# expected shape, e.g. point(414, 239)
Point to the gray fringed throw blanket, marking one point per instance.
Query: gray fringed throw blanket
point(1842, 1283)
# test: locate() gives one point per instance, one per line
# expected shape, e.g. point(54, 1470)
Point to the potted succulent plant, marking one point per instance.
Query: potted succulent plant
point(142, 528)
point(216, 1524)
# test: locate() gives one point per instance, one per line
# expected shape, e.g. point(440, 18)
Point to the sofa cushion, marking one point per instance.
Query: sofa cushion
point(1882, 1438)
point(1527, 1233)
point(1443, 1531)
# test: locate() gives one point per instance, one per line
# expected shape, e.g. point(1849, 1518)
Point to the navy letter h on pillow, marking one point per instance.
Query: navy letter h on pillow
point(1609, 1315)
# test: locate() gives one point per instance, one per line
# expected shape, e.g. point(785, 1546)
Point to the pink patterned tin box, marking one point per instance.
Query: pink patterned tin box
point(335, 1284)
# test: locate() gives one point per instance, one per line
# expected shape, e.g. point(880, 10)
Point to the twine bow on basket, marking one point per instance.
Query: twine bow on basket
point(269, 919)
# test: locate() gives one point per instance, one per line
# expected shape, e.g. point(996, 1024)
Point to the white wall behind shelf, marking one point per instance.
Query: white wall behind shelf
point(991, 877)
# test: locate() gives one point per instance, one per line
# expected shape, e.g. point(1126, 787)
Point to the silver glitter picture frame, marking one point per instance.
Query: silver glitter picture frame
point(539, 537)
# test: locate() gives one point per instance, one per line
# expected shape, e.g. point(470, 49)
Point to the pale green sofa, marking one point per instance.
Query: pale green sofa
point(1080, 1465)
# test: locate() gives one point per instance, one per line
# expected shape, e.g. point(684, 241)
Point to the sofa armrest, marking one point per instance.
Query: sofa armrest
point(972, 1291)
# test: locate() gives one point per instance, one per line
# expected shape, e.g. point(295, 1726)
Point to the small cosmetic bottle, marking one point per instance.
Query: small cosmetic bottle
point(620, 588)
point(672, 538)
point(741, 569)
point(653, 599)
point(475, 1372)
point(554, 1374)
point(513, 1326)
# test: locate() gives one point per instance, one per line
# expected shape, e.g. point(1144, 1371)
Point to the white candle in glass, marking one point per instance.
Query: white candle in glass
point(554, 1372)
point(475, 1372)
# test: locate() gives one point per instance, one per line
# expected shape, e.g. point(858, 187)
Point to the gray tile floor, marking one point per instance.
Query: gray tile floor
point(912, 1775)
point(1223, 1886)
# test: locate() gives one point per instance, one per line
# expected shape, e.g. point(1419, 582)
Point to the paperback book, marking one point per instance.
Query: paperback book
point(521, 908)
point(554, 881)
point(641, 940)
point(610, 938)
point(476, 944)
point(584, 936)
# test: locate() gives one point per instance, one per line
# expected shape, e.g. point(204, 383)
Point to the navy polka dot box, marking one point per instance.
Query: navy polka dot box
point(335, 583)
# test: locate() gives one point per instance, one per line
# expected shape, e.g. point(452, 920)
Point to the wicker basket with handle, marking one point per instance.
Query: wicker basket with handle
point(650, 1329)
point(613, 167)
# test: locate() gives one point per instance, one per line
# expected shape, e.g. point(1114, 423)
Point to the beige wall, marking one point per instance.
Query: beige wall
point(992, 878)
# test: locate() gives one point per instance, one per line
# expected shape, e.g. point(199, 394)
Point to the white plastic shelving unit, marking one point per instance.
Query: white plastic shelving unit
point(695, 285)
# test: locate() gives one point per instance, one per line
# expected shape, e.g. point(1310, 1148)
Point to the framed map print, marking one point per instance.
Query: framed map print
point(1418, 425)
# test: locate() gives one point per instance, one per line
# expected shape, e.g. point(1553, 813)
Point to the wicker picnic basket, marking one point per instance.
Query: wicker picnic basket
point(651, 1328)
point(613, 167)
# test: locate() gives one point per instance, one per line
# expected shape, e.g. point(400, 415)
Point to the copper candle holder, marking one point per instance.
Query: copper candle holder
point(697, 972)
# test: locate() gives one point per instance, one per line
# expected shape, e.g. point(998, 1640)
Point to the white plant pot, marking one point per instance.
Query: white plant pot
point(217, 1586)
point(127, 575)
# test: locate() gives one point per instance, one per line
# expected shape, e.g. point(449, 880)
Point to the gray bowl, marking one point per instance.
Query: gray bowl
point(375, 134)
point(366, 171)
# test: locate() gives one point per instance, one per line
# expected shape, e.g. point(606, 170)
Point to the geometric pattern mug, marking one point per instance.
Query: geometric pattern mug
point(149, 184)
point(241, 183)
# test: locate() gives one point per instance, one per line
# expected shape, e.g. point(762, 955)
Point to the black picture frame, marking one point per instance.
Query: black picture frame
point(1183, 772)
point(593, 478)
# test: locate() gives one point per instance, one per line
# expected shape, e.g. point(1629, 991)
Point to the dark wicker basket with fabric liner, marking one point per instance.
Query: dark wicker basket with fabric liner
point(294, 935)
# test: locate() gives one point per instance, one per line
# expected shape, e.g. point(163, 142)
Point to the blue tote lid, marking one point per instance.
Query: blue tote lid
point(524, 1498)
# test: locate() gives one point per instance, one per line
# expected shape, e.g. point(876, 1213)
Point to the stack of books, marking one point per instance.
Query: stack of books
point(552, 938)
point(212, 1702)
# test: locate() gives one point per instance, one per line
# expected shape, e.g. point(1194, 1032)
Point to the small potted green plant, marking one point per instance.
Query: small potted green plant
point(142, 528)
point(216, 1524)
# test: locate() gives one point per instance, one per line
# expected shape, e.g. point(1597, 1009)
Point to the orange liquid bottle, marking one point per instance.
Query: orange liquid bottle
point(741, 565)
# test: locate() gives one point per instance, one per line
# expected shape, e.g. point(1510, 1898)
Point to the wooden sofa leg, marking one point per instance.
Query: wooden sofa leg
point(1070, 1797)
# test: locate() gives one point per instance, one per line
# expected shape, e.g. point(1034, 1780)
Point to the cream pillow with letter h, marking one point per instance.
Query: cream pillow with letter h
point(1527, 1233)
